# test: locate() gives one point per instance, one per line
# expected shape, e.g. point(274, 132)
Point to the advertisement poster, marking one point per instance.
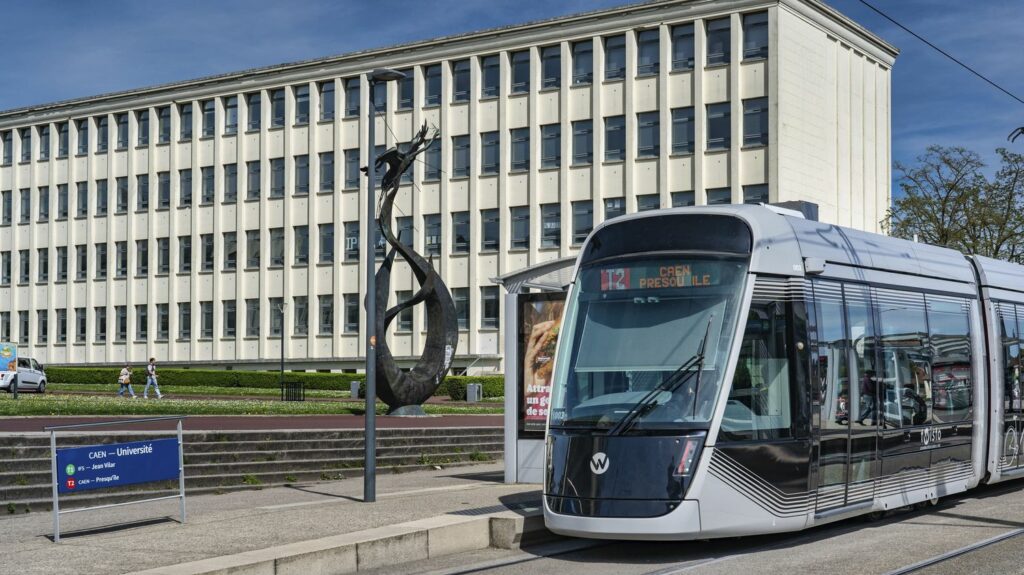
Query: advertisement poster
point(540, 319)
point(8, 357)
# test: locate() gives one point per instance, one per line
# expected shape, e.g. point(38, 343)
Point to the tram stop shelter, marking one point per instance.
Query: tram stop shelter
point(534, 299)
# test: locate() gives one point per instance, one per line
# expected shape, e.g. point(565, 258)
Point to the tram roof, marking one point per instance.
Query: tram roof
point(782, 244)
point(1000, 274)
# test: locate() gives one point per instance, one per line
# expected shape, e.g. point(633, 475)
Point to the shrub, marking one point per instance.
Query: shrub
point(454, 386)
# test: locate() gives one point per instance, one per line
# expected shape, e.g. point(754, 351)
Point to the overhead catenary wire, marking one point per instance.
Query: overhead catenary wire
point(943, 52)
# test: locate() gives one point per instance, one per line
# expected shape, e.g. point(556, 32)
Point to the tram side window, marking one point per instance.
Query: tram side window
point(1010, 333)
point(906, 358)
point(864, 403)
point(833, 377)
point(950, 338)
point(760, 405)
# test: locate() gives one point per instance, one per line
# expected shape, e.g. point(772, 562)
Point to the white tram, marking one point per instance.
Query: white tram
point(735, 370)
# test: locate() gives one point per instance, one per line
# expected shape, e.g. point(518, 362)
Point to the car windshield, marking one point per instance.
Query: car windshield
point(629, 328)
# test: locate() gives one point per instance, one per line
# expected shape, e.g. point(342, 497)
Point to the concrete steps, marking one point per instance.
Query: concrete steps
point(229, 461)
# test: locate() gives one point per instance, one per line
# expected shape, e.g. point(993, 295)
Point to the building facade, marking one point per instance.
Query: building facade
point(209, 222)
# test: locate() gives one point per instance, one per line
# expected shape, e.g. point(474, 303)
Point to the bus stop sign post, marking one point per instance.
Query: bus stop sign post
point(103, 466)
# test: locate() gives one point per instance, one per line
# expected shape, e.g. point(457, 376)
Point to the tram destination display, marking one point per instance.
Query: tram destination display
point(661, 275)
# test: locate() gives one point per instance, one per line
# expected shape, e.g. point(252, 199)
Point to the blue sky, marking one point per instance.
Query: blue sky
point(88, 48)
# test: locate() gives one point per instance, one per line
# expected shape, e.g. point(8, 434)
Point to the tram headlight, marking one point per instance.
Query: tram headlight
point(690, 454)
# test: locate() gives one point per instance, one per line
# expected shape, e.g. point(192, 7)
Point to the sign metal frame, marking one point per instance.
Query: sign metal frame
point(54, 480)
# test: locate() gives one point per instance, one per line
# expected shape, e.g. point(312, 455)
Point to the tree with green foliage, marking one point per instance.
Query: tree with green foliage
point(949, 201)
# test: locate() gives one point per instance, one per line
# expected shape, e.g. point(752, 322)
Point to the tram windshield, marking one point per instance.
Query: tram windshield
point(629, 328)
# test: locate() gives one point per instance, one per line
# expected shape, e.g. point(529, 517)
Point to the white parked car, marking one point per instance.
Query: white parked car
point(31, 377)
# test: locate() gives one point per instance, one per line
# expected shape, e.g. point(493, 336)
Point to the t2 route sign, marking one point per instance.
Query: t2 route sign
point(116, 464)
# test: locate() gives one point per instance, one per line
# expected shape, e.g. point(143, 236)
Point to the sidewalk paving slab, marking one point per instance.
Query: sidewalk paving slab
point(376, 548)
point(417, 515)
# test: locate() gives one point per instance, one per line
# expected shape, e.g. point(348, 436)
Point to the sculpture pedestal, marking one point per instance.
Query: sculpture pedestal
point(409, 411)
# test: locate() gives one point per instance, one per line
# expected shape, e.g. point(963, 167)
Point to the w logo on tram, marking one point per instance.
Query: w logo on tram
point(599, 463)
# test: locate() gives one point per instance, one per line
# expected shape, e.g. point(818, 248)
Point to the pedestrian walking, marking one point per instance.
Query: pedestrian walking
point(125, 379)
point(151, 379)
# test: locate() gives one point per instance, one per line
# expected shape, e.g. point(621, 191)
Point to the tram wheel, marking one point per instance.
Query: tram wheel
point(875, 515)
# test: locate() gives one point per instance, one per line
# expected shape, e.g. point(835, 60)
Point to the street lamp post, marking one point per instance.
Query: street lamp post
point(280, 309)
point(191, 259)
point(370, 455)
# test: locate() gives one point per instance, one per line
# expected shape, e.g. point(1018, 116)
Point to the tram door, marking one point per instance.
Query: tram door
point(1013, 402)
point(847, 429)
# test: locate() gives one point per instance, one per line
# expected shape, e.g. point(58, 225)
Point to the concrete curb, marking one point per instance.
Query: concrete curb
point(374, 548)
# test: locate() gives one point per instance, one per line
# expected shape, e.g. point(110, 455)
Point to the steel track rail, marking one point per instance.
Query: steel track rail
point(957, 552)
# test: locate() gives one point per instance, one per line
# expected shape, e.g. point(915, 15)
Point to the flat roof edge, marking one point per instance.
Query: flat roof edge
point(368, 52)
point(847, 22)
point(582, 17)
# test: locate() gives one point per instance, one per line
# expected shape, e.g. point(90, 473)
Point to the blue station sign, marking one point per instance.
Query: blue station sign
point(116, 464)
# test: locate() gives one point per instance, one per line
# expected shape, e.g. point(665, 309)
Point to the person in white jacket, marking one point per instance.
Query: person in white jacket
point(125, 379)
point(151, 379)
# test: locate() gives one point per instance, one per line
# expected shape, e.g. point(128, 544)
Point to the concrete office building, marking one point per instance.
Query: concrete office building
point(175, 221)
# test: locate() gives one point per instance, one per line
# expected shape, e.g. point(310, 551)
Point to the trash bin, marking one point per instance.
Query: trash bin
point(474, 392)
point(353, 387)
point(293, 391)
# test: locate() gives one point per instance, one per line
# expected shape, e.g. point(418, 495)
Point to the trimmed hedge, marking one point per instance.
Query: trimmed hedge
point(454, 385)
point(212, 378)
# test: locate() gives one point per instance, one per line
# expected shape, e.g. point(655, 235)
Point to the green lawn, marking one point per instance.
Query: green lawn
point(182, 391)
point(58, 404)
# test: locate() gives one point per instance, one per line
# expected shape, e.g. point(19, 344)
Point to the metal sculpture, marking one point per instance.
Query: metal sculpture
point(404, 391)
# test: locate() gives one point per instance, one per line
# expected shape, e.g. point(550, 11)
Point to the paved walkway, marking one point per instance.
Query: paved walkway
point(125, 539)
point(256, 422)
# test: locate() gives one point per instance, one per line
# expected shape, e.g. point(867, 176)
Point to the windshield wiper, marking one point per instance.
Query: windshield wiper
point(700, 370)
point(670, 384)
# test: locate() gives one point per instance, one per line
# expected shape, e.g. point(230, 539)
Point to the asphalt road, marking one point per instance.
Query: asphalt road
point(256, 422)
point(854, 547)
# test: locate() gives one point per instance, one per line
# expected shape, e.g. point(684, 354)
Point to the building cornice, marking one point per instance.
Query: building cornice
point(602, 22)
point(844, 28)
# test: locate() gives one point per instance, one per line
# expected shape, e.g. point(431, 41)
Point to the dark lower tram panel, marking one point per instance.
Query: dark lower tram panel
point(620, 476)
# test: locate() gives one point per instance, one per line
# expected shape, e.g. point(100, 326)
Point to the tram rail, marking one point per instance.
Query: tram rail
point(696, 558)
point(914, 567)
